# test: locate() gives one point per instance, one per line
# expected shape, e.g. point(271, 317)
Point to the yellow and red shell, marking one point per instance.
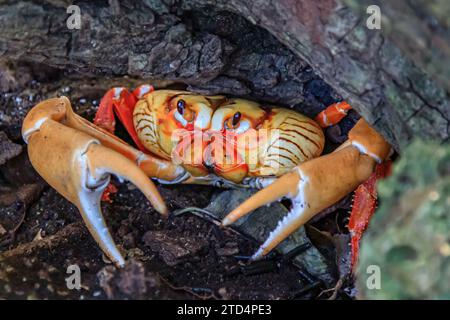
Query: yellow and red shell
point(231, 138)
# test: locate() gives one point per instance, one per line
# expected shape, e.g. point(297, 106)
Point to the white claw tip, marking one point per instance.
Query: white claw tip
point(258, 254)
point(120, 262)
point(117, 92)
point(226, 222)
point(144, 89)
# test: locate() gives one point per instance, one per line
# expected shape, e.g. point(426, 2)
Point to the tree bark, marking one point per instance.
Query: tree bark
point(165, 40)
point(420, 28)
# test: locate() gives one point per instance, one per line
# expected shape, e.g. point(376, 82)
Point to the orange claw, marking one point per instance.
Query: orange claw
point(333, 114)
point(318, 183)
point(364, 205)
point(77, 159)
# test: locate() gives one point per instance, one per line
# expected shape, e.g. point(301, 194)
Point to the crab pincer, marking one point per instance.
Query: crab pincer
point(79, 164)
point(318, 183)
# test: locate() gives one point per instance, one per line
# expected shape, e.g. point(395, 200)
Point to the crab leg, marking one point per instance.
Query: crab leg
point(77, 159)
point(121, 102)
point(318, 183)
point(333, 114)
point(363, 207)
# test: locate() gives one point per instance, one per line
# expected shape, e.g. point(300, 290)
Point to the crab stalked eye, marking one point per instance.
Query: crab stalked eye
point(237, 124)
point(183, 113)
point(180, 106)
point(236, 119)
point(233, 122)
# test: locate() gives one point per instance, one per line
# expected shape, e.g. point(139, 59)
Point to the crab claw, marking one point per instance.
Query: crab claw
point(317, 184)
point(79, 167)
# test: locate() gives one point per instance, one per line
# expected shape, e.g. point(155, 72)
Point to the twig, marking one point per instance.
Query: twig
point(191, 290)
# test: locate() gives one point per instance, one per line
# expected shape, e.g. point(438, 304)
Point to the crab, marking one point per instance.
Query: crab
point(184, 137)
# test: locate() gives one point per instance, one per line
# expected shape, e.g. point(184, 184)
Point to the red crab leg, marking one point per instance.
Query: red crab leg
point(365, 197)
point(121, 102)
point(364, 205)
point(333, 114)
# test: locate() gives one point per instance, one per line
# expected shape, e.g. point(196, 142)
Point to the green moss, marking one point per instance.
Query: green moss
point(409, 237)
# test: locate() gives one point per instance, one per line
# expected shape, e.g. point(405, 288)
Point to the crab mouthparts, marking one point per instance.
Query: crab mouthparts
point(211, 153)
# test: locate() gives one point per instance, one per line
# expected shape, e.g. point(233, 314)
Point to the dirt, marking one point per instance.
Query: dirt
point(41, 234)
point(185, 257)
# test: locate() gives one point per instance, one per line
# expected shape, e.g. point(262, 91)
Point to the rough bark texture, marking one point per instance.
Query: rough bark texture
point(165, 40)
point(210, 51)
point(420, 28)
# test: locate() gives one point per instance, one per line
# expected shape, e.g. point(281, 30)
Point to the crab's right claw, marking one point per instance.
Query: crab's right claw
point(312, 186)
point(318, 183)
point(79, 167)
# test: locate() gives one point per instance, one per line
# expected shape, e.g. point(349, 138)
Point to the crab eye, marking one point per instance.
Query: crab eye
point(180, 106)
point(236, 124)
point(236, 118)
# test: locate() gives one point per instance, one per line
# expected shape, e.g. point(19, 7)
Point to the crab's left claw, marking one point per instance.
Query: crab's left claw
point(79, 167)
point(318, 183)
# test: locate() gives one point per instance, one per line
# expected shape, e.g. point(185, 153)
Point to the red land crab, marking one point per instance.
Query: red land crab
point(183, 137)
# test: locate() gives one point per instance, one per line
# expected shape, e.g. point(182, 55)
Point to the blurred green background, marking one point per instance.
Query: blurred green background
point(409, 236)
